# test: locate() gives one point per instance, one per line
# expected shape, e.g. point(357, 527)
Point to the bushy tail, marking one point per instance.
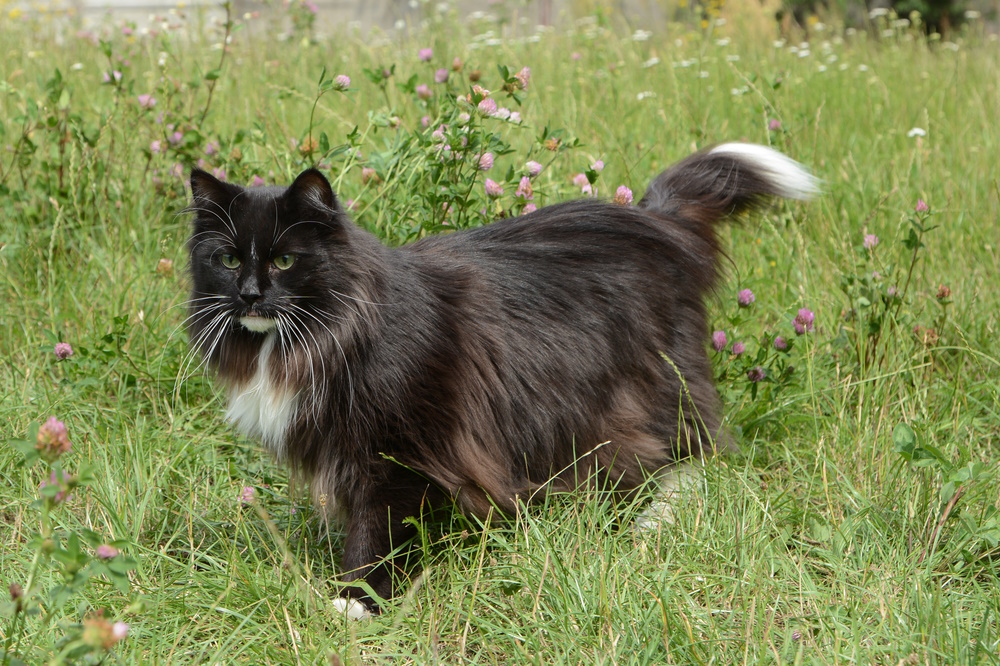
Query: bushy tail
point(725, 180)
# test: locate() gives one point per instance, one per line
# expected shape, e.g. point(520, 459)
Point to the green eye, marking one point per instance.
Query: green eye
point(230, 261)
point(284, 261)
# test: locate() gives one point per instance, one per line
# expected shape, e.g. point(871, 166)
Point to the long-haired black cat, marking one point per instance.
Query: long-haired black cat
point(475, 367)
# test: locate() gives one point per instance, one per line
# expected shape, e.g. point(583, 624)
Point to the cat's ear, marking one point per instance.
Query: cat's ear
point(312, 188)
point(205, 186)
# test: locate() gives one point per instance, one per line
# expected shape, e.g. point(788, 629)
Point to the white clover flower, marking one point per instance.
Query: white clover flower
point(916, 131)
point(641, 35)
point(652, 62)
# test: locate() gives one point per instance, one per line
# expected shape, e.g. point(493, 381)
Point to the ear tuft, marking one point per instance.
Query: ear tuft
point(312, 187)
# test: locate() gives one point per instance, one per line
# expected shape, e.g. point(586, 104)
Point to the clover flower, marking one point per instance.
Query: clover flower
point(441, 75)
point(921, 206)
point(52, 439)
point(423, 92)
point(63, 485)
point(523, 77)
point(780, 343)
point(623, 196)
point(529, 208)
point(756, 374)
point(533, 167)
point(485, 162)
point(106, 552)
point(524, 189)
point(719, 340)
point(803, 322)
point(493, 189)
point(870, 241)
point(774, 124)
point(487, 106)
point(341, 82)
point(248, 495)
point(425, 54)
point(63, 350)
point(147, 101)
point(745, 298)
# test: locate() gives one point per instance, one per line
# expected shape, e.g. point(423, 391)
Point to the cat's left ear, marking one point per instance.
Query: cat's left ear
point(311, 187)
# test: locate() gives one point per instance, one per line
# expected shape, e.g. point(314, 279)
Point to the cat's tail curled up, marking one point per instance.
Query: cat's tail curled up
point(722, 181)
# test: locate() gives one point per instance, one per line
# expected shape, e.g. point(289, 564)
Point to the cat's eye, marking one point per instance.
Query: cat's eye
point(284, 261)
point(230, 261)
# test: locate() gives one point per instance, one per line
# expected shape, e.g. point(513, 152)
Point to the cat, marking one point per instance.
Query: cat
point(473, 368)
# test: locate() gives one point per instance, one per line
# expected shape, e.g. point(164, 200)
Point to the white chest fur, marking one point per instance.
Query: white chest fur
point(262, 408)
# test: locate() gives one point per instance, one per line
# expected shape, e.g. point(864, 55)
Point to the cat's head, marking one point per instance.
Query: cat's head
point(266, 259)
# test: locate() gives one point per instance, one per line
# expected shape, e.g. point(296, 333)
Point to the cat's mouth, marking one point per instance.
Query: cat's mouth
point(254, 321)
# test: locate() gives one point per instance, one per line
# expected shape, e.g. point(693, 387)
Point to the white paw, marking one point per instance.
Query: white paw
point(352, 608)
point(675, 483)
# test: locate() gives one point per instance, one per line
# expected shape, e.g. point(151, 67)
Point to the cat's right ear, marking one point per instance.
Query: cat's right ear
point(206, 187)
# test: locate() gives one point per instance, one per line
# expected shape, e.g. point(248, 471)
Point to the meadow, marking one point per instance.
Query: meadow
point(858, 521)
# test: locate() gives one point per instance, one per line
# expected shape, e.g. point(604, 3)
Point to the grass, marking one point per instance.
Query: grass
point(858, 522)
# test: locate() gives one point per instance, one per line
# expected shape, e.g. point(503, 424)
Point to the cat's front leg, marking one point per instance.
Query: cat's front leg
point(379, 537)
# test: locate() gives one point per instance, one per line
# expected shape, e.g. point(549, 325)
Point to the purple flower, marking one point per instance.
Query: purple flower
point(425, 54)
point(756, 374)
point(248, 495)
point(580, 180)
point(922, 206)
point(524, 189)
point(598, 166)
point(780, 343)
point(106, 552)
point(52, 439)
point(341, 82)
point(803, 322)
point(423, 92)
point(871, 240)
point(175, 138)
point(368, 174)
point(515, 117)
point(575, 55)
point(155, 146)
point(529, 208)
point(64, 485)
point(719, 340)
point(63, 350)
point(493, 189)
point(211, 148)
point(115, 74)
point(147, 101)
point(487, 106)
point(485, 162)
point(219, 172)
point(523, 77)
point(311, 7)
point(774, 124)
point(745, 298)
point(623, 196)
point(441, 75)
point(119, 630)
point(739, 348)
point(533, 167)
point(257, 181)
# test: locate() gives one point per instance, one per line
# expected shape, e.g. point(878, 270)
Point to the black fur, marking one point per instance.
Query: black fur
point(473, 367)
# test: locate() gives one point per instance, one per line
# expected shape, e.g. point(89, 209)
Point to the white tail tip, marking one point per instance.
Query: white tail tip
point(789, 178)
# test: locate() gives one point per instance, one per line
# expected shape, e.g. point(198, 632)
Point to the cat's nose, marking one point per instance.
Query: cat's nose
point(250, 297)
